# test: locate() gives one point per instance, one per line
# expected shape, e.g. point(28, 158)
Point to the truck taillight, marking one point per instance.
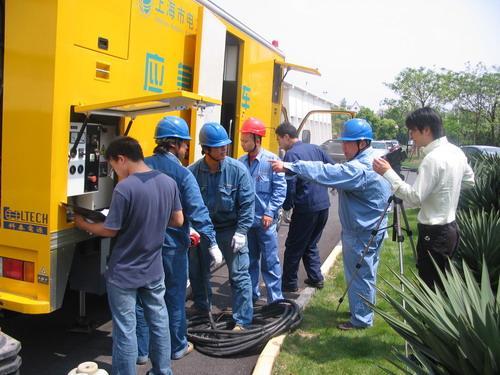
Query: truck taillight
point(18, 269)
point(29, 272)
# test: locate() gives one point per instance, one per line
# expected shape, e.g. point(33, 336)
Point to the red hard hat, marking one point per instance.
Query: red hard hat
point(253, 125)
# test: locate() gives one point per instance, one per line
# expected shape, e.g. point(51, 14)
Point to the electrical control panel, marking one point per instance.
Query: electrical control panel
point(90, 181)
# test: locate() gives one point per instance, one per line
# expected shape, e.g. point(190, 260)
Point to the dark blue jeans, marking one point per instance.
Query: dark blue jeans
point(302, 243)
point(122, 303)
point(239, 278)
point(175, 264)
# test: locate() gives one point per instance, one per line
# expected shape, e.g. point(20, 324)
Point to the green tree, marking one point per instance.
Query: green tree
point(368, 115)
point(477, 93)
point(383, 128)
point(419, 88)
point(386, 129)
point(343, 104)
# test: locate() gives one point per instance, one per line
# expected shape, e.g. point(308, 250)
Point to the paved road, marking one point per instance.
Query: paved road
point(48, 348)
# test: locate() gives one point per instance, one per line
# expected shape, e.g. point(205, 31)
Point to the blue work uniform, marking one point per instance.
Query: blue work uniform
point(363, 197)
point(175, 252)
point(310, 203)
point(270, 193)
point(229, 197)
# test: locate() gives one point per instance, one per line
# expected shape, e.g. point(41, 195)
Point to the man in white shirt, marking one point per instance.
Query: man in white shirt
point(441, 175)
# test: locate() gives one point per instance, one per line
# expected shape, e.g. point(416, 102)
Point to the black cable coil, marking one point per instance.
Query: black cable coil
point(213, 335)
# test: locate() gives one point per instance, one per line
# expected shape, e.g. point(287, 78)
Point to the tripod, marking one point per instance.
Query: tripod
point(397, 235)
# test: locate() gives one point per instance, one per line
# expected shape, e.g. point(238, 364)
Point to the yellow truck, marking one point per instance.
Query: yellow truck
point(76, 74)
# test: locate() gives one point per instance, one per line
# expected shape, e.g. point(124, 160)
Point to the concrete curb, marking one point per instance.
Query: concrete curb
point(266, 359)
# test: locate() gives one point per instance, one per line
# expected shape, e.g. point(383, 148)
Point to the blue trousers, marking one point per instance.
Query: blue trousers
point(304, 234)
point(263, 250)
point(175, 264)
point(364, 282)
point(122, 303)
point(239, 278)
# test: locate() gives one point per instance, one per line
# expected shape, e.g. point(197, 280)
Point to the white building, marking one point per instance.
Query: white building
point(299, 102)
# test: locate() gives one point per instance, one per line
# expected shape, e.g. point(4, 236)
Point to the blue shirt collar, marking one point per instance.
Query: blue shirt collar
point(204, 165)
point(245, 157)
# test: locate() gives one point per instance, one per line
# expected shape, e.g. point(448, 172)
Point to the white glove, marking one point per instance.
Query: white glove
point(216, 254)
point(239, 240)
point(287, 216)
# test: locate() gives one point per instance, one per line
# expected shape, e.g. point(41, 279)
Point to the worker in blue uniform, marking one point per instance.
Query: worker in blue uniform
point(270, 193)
point(310, 203)
point(172, 137)
point(228, 193)
point(363, 196)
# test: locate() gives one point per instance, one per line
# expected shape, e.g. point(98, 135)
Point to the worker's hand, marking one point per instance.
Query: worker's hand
point(216, 254)
point(277, 166)
point(81, 223)
point(287, 216)
point(381, 166)
point(267, 221)
point(194, 237)
point(238, 242)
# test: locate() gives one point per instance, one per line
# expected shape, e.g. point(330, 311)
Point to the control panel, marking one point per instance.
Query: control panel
point(89, 177)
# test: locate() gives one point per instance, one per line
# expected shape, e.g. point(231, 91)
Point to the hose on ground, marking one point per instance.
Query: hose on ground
point(217, 339)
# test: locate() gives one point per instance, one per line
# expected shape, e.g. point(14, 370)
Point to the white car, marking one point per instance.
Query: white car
point(381, 148)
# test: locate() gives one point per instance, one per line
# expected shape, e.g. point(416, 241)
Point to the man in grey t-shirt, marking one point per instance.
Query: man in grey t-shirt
point(144, 202)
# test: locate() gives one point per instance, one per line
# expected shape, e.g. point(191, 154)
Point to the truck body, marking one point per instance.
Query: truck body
point(75, 74)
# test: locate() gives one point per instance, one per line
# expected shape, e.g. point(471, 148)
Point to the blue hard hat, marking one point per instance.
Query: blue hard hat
point(356, 129)
point(213, 134)
point(172, 127)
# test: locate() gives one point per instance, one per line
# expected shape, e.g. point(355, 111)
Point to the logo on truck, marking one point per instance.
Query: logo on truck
point(154, 73)
point(25, 221)
point(171, 14)
point(145, 6)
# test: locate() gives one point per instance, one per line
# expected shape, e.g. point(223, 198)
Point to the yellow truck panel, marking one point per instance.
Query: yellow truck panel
point(61, 57)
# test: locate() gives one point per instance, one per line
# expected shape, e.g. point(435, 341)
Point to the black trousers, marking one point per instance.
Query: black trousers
point(438, 242)
point(302, 243)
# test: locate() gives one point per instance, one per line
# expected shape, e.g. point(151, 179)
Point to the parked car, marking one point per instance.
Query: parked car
point(381, 147)
point(394, 142)
point(471, 150)
point(333, 147)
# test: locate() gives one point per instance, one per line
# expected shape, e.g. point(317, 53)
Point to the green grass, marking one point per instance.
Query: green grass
point(411, 164)
point(318, 347)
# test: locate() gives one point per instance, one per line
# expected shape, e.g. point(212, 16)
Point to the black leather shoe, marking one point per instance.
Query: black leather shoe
point(314, 284)
point(348, 326)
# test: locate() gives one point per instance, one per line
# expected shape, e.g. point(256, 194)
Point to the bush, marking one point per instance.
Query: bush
point(479, 219)
point(479, 242)
point(486, 194)
point(451, 331)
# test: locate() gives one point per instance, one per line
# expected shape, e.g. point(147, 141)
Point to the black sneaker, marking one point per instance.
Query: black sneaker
point(289, 289)
point(314, 284)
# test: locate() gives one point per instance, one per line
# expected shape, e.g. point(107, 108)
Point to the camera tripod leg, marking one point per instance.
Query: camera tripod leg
point(398, 212)
point(365, 251)
point(409, 231)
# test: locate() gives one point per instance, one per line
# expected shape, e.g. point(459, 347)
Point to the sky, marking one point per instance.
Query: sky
point(358, 45)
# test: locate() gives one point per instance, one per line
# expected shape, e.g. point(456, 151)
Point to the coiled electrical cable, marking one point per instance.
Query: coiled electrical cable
point(213, 335)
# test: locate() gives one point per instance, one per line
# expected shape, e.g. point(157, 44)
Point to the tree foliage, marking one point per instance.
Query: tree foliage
point(383, 128)
point(468, 100)
point(418, 88)
point(476, 92)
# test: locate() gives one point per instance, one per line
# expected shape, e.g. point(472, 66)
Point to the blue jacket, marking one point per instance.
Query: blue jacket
point(227, 193)
point(363, 194)
point(270, 187)
point(194, 209)
point(302, 195)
